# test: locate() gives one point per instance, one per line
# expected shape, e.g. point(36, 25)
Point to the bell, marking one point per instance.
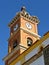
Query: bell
point(29, 43)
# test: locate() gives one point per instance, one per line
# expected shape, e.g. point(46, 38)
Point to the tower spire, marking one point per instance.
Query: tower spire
point(23, 8)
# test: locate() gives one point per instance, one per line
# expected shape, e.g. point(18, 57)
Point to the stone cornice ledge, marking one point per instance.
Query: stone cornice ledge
point(32, 33)
point(10, 54)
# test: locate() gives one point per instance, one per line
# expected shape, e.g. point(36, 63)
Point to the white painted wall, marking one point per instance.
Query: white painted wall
point(46, 42)
point(32, 53)
point(39, 61)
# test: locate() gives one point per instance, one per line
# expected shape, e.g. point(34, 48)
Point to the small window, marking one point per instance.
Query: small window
point(15, 44)
point(29, 41)
point(16, 27)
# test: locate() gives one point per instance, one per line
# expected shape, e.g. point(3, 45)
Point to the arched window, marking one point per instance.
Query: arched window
point(15, 44)
point(29, 41)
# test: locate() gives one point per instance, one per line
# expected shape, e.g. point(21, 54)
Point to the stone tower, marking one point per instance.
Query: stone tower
point(23, 34)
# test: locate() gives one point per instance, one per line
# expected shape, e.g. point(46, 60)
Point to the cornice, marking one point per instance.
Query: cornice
point(13, 34)
point(32, 33)
point(24, 15)
point(27, 31)
point(16, 49)
point(10, 54)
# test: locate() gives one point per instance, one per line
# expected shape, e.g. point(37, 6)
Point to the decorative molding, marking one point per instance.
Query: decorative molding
point(15, 49)
point(13, 34)
point(14, 20)
point(10, 54)
point(27, 31)
point(34, 34)
point(13, 58)
point(25, 15)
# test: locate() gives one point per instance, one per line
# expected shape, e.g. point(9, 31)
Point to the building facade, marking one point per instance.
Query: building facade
point(25, 47)
point(46, 55)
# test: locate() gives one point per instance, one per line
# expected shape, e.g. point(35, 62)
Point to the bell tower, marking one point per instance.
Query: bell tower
point(23, 31)
point(23, 34)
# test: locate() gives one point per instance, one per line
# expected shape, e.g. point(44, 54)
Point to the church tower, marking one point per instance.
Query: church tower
point(23, 34)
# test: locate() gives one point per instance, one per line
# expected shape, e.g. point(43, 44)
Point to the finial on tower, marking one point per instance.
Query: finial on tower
point(23, 8)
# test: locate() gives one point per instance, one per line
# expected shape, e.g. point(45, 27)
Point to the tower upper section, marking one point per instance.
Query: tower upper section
point(26, 15)
point(23, 30)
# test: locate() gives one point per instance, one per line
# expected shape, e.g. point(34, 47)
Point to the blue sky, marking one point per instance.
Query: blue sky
point(8, 9)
